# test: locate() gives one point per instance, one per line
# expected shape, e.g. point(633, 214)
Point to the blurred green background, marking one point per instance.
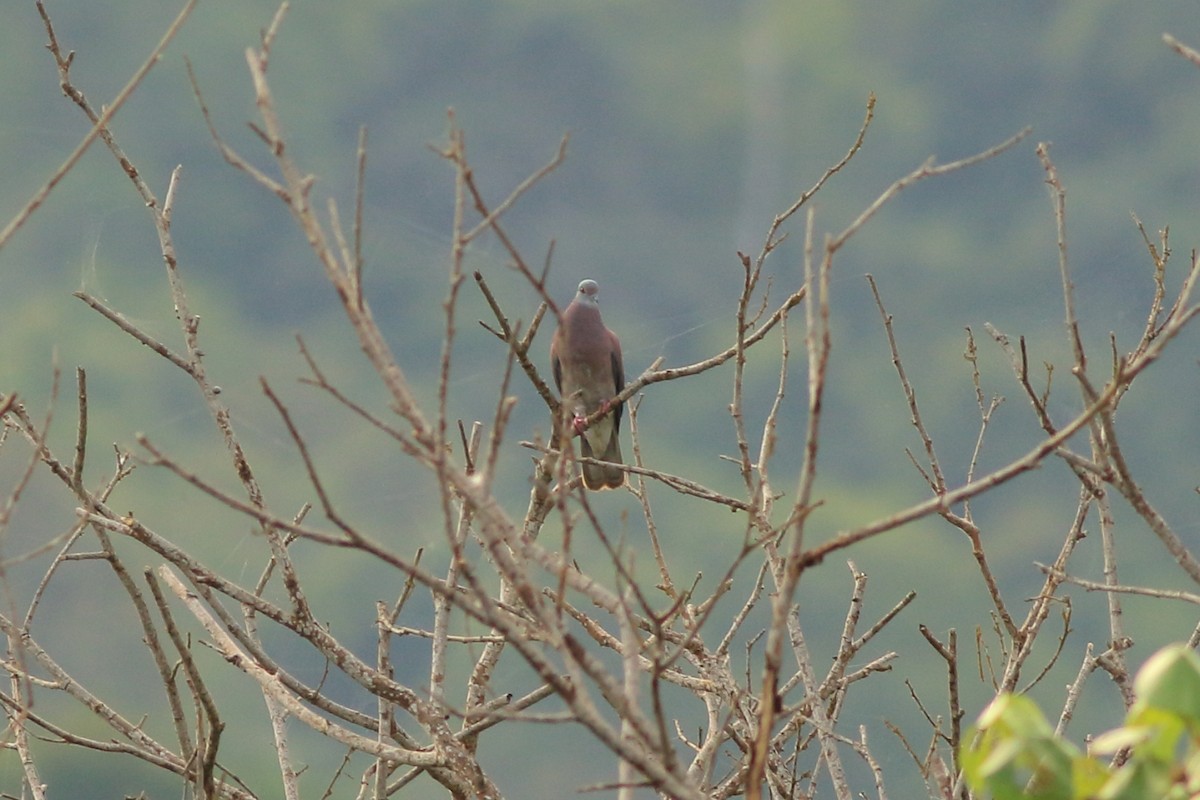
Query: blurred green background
point(691, 125)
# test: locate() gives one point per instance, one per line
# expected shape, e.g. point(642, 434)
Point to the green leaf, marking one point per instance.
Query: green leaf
point(1110, 742)
point(1170, 680)
point(1016, 715)
point(1015, 753)
point(1015, 748)
point(1138, 780)
point(1088, 776)
point(1155, 732)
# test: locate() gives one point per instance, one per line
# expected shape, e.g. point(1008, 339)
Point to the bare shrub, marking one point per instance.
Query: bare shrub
point(634, 661)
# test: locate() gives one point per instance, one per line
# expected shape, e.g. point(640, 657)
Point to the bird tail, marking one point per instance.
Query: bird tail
point(603, 476)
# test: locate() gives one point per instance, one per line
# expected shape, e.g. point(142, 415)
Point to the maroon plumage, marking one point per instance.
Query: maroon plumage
point(586, 359)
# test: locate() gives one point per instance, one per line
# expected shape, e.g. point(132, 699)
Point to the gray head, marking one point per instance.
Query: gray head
point(589, 292)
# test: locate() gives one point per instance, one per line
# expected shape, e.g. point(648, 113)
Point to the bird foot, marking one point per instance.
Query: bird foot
point(579, 421)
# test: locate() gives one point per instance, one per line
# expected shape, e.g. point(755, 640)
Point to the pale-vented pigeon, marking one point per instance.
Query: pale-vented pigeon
point(586, 358)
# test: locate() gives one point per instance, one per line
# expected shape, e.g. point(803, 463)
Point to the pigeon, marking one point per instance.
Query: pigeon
point(586, 359)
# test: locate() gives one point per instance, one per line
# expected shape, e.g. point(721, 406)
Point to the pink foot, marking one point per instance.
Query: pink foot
point(579, 421)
